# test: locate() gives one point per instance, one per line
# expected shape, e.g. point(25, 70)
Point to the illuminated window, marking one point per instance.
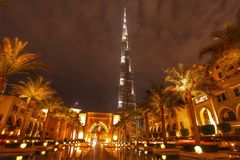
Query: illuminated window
point(132, 90)
point(123, 59)
point(119, 104)
point(121, 81)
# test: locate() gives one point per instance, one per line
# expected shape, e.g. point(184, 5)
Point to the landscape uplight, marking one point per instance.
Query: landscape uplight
point(45, 144)
point(198, 149)
point(23, 145)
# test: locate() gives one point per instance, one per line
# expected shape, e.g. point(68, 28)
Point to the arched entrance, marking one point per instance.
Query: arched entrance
point(99, 127)
point(226, 114)
point(98, 132)
point(206, 117)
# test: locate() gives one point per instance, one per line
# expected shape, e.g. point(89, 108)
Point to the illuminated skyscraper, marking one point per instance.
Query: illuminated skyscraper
point(126, 97)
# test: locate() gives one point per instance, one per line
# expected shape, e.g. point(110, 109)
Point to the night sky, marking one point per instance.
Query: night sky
point(80, 41)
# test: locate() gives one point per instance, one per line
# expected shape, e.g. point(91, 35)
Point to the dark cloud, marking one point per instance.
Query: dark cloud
point(80, 40)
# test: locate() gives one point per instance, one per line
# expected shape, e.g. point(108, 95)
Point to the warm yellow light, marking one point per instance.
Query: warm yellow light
point(198, 149)
point(76, 110)
point(94, 143)
point(164, 157)
point(19, 157)
point(162, 146)
point(3, 132)
point(56, 143)
point(11, 133)
point(80, 135)
point(45, 144)
point(116, 119)
point(15, 141)
point(45, 111)
point(64, 142)
point(43, 152)
point(74, 135)
point(145, 144)
point(55, 149)
point(23, 145)
point(83, 118)
point(115, 137)
point(7, 141)
point(78, 150)
point(63, 147)
point(145, 152)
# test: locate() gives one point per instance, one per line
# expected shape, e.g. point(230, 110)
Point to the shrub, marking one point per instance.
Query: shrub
point(38, 143)
point(12, 145)
point(209, 148)
point(188, 147)
point(207, 129)
point(170, 145)
point(224, 127)
point(184, 132)
point(172, 133)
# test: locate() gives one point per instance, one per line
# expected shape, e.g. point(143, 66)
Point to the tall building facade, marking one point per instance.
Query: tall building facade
point(126, 97)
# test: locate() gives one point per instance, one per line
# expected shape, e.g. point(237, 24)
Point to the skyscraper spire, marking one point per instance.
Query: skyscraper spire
point(126, 97)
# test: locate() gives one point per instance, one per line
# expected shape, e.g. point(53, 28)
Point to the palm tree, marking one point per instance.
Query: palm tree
point(230, 58)
point(225, 39)
point(128, 117)
point(13, 60)
point(35, 92)
point(51, 105)
point(186, 83)
point(156, 101)
point(74, 121)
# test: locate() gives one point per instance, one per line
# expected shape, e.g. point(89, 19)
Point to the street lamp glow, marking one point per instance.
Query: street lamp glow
point(115, 137)
point(45, 144)
point(162, 146)
point(23, 145)
point(19, 157)
point(198, 149)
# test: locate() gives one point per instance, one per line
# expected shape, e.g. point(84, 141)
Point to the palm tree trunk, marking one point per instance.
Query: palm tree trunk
point(24, 127)
point(45, 125)
point(3, 83)
point(196, 134)
point(146, 126)
point(163, 125)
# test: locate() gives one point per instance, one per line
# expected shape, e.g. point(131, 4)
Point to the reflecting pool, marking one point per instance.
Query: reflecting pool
point(89, 153)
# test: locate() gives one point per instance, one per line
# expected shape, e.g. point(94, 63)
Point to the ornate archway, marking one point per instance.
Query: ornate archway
point(98, 132)
point(206, 116)
point(227, 114)
point(99, 127)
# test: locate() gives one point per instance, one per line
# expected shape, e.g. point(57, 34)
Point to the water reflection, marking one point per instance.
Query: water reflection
point(98, 153)
point(134, 154)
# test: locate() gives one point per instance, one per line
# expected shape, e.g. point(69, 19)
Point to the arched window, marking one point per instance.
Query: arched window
point(9, 121)
point(19, 123)
point(227, 115)
point(174, 126)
